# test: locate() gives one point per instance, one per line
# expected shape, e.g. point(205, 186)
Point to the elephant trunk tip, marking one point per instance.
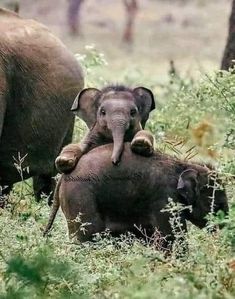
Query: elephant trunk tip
point(118, 133)
point(115, 160)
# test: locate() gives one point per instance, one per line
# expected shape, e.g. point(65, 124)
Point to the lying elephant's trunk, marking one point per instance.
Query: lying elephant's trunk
point(118, 133)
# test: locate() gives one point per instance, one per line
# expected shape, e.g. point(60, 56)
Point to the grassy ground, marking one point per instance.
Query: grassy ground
point(195, 111)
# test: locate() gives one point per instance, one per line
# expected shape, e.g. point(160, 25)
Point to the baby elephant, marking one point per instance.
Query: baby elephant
point(134, 194)
point(113, 114)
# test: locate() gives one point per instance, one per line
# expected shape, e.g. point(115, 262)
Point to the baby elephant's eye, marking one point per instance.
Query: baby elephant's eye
point(133, 112)
point(102, 112)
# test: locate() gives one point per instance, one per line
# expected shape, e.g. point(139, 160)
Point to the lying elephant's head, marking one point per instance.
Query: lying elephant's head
point(118, 112)
point(202, 191)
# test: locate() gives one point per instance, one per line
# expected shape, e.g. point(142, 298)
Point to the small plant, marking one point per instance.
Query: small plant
point(90, 61)
point(200, 113)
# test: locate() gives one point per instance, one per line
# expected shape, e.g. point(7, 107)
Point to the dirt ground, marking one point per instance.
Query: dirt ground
point(190, 32)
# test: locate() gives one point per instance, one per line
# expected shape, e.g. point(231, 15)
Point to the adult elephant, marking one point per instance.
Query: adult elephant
point(39, 79)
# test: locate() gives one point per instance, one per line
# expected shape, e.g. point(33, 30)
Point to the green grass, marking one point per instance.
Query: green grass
point(32, 267)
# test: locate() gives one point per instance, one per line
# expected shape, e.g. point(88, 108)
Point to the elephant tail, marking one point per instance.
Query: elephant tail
point(54, 210)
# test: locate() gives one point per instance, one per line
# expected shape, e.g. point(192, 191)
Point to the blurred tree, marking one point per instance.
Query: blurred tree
point(131, 11)
point(229, 52)
point(73, 16)
point(11, 4)
point(17, 6)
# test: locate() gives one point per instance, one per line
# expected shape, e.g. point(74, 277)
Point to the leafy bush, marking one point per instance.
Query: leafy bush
point(187, 104)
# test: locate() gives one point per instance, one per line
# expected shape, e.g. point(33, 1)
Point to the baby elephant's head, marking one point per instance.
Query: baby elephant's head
point(203, 191)
point(117, 112)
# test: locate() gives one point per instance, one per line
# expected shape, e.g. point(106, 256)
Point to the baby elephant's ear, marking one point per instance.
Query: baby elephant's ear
point(85, 105)
point(188, 186)
point(145, 102)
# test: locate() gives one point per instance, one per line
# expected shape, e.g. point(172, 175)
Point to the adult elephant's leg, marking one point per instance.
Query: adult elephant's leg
point(2, 103)
point(44, 185)
point(143, 143)
point(5, 189)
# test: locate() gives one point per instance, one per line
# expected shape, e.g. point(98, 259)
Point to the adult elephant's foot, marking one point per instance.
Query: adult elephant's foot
point(3, 201)
point(5, 189)
point(68, 158)
point(43, 186)
point(143, 143)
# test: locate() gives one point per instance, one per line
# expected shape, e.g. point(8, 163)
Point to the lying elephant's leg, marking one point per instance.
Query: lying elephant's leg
point(169, 231)
point(81, 213)
point(143, 143)
point(83, 227)
point(43, 185)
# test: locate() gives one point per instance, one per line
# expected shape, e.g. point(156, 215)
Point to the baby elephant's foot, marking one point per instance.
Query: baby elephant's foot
point(68, 158)
point(64, 163)
point(143, 143)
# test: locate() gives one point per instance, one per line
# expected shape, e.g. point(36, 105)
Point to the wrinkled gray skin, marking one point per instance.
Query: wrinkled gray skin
point(39, 80)
point(134, 193)
point(113, 114)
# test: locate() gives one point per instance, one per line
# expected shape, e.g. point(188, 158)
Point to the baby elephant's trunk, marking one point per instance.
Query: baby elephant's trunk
point(118, 139)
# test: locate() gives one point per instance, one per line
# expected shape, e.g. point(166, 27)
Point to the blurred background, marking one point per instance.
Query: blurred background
point(139, 38)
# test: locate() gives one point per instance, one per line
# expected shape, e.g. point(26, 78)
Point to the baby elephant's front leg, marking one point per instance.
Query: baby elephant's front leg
point(68, 158)
point(143, 143)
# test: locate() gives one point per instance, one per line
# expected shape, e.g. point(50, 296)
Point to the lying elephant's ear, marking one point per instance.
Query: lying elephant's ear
point(85, 105)
point(188, 185)
point(145, 102)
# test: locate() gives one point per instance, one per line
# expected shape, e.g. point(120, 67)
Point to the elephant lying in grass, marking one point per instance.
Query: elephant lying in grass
point(39, 80)
point(134, 194)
